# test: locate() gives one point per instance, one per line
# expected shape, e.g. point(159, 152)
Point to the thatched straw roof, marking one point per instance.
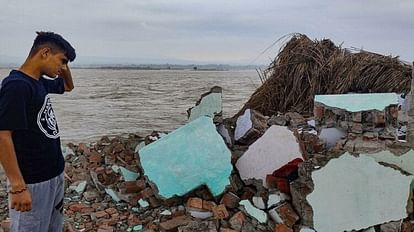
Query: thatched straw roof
point(304, 68)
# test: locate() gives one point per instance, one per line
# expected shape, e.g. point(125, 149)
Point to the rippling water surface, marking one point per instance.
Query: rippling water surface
point(118, 102)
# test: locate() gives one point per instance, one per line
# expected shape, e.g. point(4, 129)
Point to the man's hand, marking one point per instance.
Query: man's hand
point(67, 78)
point(21, 201)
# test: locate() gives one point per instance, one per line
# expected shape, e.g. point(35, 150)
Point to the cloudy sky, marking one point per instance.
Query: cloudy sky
point(209, 31)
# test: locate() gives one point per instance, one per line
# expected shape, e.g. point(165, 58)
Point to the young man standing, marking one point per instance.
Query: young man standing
point(30, 150)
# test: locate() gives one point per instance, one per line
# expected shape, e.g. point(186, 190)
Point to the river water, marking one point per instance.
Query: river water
point(118, 102)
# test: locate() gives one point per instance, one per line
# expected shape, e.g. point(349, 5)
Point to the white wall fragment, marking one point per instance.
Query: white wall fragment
point(274, 149)
point(353, 193)
point(260, 215)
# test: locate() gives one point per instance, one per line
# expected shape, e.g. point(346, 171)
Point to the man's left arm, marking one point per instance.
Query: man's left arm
point(66, 75)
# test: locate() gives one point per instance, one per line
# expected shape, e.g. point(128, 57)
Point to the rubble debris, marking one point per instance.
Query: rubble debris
point(256, 213)
point(274, 149)
point(188, 157)
point(210, 104)
point(249, 126)
point(284, 214)
point(360, 192)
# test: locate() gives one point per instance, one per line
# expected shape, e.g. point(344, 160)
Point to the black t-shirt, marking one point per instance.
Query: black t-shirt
point(26, 110)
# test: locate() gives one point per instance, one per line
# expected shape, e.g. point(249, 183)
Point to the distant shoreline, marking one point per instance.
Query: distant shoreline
point(193, 67)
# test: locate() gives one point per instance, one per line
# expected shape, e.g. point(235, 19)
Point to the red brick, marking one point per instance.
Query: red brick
point(146, 193)
point(131, 187)
point(87, 210)
point(101, 214)
point(209, 205)
point(105, 228)
point(357, 117)
point(195, 202)
point(171, 225)
point(230, 200)
point(393, 111)
point(77, 207)
point(287, 214)
point(318, 112)
point(406, 227)
point(227, 230)
point(134, 220)
point(379, 119)
point(237, 220)
point(111, 211)
point(282, 228)
point(220, 212)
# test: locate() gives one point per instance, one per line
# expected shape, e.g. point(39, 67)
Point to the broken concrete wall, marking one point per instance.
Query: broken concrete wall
point(355, 187)
point(358, 113)
point(210, 104)
point(188, 157)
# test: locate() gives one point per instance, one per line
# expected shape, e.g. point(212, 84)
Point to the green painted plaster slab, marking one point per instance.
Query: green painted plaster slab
point(405, 161)
point(128, 175)
point(188, 157)
point(209, 105)
point(358, 102)
point(113, 194)
point(143, 203)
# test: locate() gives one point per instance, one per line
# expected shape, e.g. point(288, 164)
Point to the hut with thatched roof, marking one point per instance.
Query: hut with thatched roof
point(304, 68)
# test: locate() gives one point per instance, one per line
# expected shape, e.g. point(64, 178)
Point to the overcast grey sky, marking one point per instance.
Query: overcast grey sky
point(211, 31)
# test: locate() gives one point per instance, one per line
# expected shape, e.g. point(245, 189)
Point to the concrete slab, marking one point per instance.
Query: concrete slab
point(358, 102)
point(405, 161)
point(209, 105)
point(366, 192)
point(191, 156)
point(274, 149)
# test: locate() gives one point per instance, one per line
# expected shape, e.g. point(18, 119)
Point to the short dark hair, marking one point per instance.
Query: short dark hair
point(55, 42)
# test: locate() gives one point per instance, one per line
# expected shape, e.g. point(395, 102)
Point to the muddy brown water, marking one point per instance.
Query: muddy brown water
point(118, 102)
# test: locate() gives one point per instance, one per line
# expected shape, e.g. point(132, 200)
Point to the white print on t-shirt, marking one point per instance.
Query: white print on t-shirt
point(46, 120)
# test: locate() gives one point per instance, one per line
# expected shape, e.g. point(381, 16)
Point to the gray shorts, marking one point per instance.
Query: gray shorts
point(47, 208)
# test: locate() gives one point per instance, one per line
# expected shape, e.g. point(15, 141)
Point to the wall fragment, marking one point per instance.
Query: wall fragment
point(188, 157)
point(361, 195)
